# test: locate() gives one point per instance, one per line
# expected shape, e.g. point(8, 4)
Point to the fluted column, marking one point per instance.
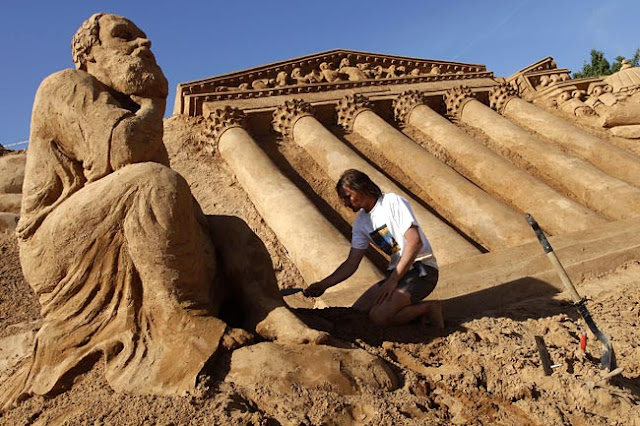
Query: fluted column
point(472, 210)
point(614, 161)
point(315, 246)
point(556, 213)
point(294, 120)
point(589, 185)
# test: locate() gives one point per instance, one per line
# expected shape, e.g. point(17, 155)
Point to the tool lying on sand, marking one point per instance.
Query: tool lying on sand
point(290, 291)
point(608, 358)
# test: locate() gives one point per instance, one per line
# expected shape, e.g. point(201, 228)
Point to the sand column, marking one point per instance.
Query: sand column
point(294, 120)
point(609, 158)
point(589, 185)
point(315, 246)
point(472, 210)
point(556, 213)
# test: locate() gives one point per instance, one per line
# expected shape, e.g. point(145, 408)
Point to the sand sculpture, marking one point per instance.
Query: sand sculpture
point(472, 151)
point(11, 177)
point(610, 102)
point(114, 244)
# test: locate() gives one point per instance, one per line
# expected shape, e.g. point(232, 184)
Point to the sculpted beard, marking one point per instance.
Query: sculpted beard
point(139, 75)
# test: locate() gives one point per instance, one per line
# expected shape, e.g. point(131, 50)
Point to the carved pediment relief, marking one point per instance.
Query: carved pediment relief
point(335, 69)
point(540, 79)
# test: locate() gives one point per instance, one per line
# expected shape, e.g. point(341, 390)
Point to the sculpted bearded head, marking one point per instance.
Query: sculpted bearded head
point(116, 52)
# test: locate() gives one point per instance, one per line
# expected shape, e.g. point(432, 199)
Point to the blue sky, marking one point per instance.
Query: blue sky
point(199, 39)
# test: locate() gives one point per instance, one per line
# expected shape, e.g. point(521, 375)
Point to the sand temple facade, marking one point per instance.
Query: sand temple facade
point(473, 152)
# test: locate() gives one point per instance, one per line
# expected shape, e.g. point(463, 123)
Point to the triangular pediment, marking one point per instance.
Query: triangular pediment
point(545, 64)
point(334, 69)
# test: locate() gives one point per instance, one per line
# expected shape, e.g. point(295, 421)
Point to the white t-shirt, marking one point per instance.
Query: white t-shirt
point(385, 226)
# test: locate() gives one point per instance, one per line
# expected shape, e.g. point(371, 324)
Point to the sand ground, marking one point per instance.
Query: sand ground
point(481, 370)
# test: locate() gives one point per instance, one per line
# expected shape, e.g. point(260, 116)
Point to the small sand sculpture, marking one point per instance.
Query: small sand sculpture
point(113, 242)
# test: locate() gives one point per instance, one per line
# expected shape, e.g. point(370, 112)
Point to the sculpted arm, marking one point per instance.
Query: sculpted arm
point(342, 272)
point(138, 137)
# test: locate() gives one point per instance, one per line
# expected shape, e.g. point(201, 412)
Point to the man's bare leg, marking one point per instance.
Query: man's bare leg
point(399, 310)
point(367, 300)
point(431, 309)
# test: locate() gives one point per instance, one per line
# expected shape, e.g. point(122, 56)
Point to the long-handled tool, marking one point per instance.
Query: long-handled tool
point(608, 358)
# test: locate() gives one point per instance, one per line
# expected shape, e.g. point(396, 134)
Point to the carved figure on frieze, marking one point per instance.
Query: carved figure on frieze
point(456, 98)
point(263, 83)
point(366, 69)
point(404, 104)
point(286, 115)
point(435, 70)
point(113, 242)
point(378, 72)
point(282, 79)
point(352, 73)
point(348, 109)
point(415, 72)
point(391, 72)
point(500, 95)
point(315, 76)
point(330, 75)
point(296, 75)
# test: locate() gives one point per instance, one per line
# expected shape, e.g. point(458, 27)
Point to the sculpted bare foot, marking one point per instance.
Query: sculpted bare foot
point(235, 338)
point(283, 326)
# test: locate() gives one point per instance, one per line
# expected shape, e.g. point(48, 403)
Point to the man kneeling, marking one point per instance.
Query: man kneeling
point(387, 221)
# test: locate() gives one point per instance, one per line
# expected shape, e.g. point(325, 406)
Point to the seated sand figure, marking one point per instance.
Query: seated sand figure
point(113, 242)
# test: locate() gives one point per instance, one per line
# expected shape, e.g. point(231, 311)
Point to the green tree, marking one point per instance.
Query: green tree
point(600, 66)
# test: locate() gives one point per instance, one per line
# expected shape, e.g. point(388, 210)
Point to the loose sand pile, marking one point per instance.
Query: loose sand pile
point(481, 370)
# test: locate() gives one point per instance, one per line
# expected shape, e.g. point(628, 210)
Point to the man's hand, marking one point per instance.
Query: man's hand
point(386, 290)
point(315, 289)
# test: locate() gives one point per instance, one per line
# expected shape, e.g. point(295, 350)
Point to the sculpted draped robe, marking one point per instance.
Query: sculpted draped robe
point(121, 260)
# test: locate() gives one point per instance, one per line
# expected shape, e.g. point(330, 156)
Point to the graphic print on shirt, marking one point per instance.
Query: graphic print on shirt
point(383, 239)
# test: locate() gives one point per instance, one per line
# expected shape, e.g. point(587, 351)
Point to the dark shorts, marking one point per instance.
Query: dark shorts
point(418, 282)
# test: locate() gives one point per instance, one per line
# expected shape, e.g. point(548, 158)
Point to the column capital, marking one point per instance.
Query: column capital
point(500, 95)
point(348, 109)
point(286, 115)
point(222, 119)
point(404, 104)
point(456, 98)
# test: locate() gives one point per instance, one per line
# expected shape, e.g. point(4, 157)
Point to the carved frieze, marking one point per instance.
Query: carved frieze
point(348, 109)
point(456, 98)
point(222, 119)
point(404, 104)
point(338, 69)
point(286, 115)
point(500, 95)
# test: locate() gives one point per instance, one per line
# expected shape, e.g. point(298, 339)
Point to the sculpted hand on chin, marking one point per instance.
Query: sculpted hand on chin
point(122, 258)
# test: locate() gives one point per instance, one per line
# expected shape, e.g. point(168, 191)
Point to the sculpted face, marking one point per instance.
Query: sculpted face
point(123, 59)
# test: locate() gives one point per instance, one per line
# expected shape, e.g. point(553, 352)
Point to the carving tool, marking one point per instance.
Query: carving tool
point(291, 290)
point(608, 358)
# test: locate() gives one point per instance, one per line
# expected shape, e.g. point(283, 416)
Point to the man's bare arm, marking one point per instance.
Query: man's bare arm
point(342, 272)
point(411, 250)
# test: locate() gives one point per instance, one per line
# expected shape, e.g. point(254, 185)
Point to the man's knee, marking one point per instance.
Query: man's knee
point(381, 315)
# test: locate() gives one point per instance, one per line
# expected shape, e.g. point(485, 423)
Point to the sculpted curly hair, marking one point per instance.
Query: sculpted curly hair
point(87, 36)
